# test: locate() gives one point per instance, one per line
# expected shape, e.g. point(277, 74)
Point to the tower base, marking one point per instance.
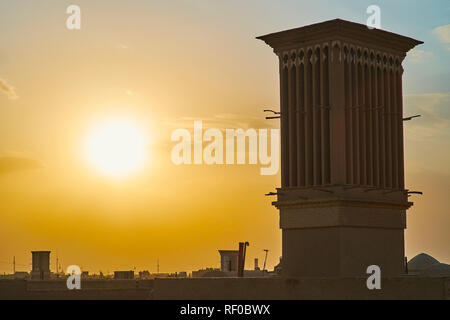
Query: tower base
point(334, 235)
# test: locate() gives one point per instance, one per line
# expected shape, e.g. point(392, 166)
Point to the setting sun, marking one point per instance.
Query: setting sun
point(116, 147)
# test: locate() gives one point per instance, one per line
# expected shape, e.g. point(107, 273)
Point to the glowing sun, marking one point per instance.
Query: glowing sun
point(116, 147)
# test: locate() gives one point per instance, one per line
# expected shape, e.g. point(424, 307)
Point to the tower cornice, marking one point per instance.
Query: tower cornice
point(338, 29)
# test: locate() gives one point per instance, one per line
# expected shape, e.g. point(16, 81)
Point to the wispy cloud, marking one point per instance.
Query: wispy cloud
point(418, 55)
point(443, 33)
point(8, 89)
point(121, 46)
point(10, 164)
point(435, 111)
point(224, 121)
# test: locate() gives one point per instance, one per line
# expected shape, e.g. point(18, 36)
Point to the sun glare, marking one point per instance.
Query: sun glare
point(116, 147)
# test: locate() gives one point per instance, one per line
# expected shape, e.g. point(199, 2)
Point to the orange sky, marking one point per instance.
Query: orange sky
point(162, 66)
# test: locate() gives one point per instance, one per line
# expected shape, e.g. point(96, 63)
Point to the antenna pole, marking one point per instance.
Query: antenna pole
point(265, 259)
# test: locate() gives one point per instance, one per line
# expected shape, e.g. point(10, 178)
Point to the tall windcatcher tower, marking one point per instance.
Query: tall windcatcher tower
point(342, 199)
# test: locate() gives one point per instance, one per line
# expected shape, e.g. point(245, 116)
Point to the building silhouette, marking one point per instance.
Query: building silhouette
point(124, 275)
point(40, 265)
point(229, 260)
point(342, 199)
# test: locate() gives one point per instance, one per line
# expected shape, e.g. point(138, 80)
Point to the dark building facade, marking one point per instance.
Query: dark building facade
point(40, 265)
point(342, 199)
